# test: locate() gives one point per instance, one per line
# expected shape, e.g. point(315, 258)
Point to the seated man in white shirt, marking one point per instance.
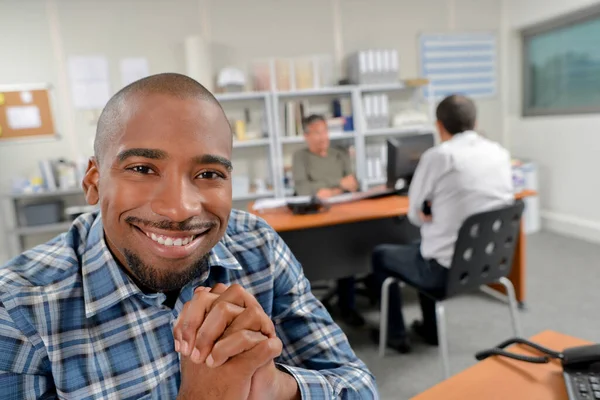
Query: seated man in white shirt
point(464, 175)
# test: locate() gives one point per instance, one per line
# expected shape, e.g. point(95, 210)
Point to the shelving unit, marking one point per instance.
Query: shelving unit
point(17, 234)
point(243, 96)
point(333, 138)
point(277, 140)
point(403, 130)
point(331, 91)
point(240, 144)
point(239, 101)
point(383, 87)
point(414, 95)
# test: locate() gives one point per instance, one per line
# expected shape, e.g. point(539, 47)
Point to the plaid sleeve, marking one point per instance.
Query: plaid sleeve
point(21, 373)
point(315, 350)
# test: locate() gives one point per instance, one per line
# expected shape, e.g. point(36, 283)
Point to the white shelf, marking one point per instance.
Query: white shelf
point(50, 228)
point(242, 96)
point(318, 92)
point(300, 139)
point(346, 135)
point(39, 195)
point(238, 144)
point(400, 130)
point(254, 196)
point(292, 139)
point(376, 181)
point(384, 87)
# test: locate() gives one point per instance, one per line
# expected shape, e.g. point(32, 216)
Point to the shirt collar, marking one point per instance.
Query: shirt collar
point(105, 284)
point(465, 134)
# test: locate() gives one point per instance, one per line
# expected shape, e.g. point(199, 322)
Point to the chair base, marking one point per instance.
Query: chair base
point(441, 320)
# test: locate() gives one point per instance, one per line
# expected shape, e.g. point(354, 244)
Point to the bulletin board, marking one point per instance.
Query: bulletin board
point(25, 113)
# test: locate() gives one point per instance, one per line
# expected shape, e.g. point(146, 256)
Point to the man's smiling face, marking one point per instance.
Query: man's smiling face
point(164, 186)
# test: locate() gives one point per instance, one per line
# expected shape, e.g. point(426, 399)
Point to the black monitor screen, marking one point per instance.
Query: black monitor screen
point(403, 156)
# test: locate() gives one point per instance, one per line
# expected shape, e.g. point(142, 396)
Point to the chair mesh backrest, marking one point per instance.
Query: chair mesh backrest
point(485, 248)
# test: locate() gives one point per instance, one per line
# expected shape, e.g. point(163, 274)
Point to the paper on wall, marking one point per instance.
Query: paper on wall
point(23, 117)
point(133, 69)
point(90, 87)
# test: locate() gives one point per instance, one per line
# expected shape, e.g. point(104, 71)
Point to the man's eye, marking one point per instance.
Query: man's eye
point(209, 175)
point(142, 169)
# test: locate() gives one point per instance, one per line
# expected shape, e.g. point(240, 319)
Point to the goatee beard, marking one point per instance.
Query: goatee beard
point(164, 281)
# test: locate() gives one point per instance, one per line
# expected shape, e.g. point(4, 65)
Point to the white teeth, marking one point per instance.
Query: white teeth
point(168, 241)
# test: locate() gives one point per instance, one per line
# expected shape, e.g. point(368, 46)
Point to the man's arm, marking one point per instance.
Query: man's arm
point(432, 166)
point(302, 185)
point(349, 181)
point(315, 350)
point(21, 372)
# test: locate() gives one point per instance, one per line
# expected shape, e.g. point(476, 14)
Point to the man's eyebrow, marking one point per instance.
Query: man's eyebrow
point(213, 159)
point(144, 153)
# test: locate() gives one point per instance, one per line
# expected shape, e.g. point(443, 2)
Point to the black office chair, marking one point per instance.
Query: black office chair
point(483, 254)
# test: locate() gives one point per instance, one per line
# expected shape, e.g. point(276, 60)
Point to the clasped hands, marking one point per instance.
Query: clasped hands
point(227, 345)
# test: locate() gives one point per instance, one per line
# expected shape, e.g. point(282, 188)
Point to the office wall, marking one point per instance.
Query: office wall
point(565, 147)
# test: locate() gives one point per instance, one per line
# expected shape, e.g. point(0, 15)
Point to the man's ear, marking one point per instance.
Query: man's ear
point(90, 182)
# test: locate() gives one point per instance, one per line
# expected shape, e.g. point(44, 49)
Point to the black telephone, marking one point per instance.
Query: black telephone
point(581, 365)
point(306, 206)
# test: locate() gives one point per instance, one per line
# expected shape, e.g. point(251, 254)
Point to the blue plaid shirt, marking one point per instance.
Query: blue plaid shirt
point(73, 324)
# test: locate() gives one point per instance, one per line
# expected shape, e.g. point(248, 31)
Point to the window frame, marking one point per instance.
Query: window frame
point(564, 21)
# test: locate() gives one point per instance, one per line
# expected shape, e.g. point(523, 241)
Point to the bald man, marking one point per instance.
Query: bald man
point(167, 292)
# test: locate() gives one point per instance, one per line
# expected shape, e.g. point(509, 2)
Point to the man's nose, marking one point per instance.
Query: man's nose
point(177, 200)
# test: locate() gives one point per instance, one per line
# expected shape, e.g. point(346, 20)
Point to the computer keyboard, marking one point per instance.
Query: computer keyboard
point(351, 197)
point(582, 385)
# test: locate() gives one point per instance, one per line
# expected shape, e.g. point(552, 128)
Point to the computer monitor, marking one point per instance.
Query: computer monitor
point(403, 155)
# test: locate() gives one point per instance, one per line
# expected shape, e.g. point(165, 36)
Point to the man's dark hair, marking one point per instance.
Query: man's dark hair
point(311, 119)
point(457, 113)
point(172, 84)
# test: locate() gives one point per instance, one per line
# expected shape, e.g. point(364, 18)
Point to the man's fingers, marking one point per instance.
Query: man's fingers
point(236, 294)
point(192, 316)
point(233, 345)
point(219, 288)
point(222, 316)
point(214, 325)
point(190, 319)
point(208, 315)
point(261, 354)
point(253, 318)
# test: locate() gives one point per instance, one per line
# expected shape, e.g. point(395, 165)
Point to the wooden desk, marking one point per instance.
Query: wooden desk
point(501, 378)
point(347, 222)
point(282, 220)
